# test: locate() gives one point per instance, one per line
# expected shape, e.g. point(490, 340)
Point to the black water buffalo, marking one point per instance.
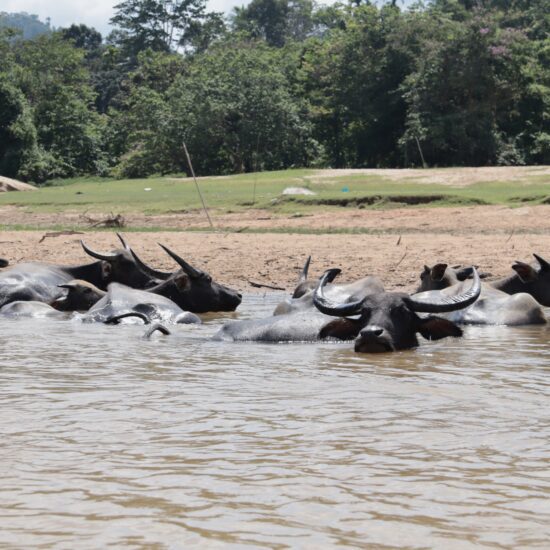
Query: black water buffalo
point(38, 281)
point(78, 296)
point(4, 263)
point(389, 321)
point(121, 301)
point(194, 290)
point(493, 307)
point(126, 266)
point(535, 280)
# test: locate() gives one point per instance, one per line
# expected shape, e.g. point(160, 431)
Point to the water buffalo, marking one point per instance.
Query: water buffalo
point(121, 301)
point(126, 266)
point(304, 284)
point(493, 307)
point(78, 296)
point(39, 281)
point(389, 321)
point(31, 309)
point(302, 298)
point(3, 263)
point(299, 326)
point(36, 281)
point(194, 290)
point(535, 280)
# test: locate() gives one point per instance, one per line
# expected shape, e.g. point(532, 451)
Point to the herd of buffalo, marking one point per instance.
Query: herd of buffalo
point(118, 285)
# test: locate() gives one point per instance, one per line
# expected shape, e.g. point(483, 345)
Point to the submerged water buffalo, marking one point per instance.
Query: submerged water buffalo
point(194, 290)
point(493, 307)
point(38, 281)
point(394, 315)
point(3, 263)
point(121, 301)
point(78, 296)
point(31, 309)
point(389, 321)
point(302, 298)
point(535, 280)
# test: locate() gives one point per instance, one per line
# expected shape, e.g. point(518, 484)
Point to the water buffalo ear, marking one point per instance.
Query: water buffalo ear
point(435, 328)
point(181, 280)
point(106, 270)
point(438, 272)
point(463, 273)
point(342, 329)
point(525, 272)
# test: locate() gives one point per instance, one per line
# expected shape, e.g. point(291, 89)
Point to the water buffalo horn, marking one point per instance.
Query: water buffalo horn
point(97, 255)
point(445, 304)
point(324, 305)
point(114, 320)
point(542, 262)
point(144, 268)
point(124, 243)
point(303, 276)
point(189, 269)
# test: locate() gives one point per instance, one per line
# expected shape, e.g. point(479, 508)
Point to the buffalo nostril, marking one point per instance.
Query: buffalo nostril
point(372, 332)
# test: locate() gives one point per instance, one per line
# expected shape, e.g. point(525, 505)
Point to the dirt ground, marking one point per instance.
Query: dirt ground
point(491, 237)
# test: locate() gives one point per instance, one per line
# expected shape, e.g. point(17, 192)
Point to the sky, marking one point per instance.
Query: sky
point(94, 13)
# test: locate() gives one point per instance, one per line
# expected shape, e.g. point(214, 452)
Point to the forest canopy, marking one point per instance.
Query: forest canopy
point(277, 84)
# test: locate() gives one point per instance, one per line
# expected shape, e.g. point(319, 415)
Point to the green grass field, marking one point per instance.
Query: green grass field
point(158, 195)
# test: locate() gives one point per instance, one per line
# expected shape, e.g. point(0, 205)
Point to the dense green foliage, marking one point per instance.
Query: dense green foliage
point(29, 25)
point(282, 83)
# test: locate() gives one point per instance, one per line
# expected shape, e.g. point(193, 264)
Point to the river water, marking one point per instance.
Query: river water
point(181, 442)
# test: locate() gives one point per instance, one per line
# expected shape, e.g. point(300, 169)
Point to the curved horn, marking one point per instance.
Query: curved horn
point(154, 328)
point(542, 262)
point(189, 269)
point(303, 276)
point(144, 268)
point(324, 305)
point(445, 304)
point(124, 243)
point(97, 255)
point(116, 318)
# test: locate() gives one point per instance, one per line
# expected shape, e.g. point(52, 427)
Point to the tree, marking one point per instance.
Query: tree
point(55, 82)
point(17, 131)
point(161, 25)
point(275, 21)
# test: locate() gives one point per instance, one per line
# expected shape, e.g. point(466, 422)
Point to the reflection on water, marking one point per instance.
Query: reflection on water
point(178, 442)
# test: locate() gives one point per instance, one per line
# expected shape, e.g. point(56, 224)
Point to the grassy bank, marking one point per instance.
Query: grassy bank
point(264, 190)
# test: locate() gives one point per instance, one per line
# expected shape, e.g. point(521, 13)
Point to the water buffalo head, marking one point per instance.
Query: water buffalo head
point(79, 296)
point(442, 276)
point(304, 285)
point(124, 266)
point(389, 321)
point(194, 290)
point(534, 280)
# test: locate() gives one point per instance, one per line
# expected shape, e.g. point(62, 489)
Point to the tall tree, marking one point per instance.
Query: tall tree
point(162, 25)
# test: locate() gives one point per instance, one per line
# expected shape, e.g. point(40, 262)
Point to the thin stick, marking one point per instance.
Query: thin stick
point(261, 285)
point(399, 262)
point(255, 169)
point(420, 151)
point(197, 184)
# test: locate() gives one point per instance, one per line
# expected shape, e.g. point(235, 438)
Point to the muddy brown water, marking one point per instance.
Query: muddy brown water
point(181, 442)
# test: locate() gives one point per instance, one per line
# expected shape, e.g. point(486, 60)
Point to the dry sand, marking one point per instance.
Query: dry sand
point(489, 236)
